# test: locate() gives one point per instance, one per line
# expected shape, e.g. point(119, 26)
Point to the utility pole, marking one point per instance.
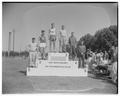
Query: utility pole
point(13, 39)
point(9, 44)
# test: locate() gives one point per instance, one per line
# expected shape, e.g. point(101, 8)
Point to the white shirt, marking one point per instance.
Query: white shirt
point(33, 46)
point(42, 45)
point(52, 31)
point(63, 33)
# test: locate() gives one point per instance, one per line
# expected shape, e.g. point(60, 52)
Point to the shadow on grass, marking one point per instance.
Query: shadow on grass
point(23, 72)
point(103, 78)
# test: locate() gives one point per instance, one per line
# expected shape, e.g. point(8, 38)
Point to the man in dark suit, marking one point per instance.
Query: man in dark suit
point(81, 55)
point(72, 43)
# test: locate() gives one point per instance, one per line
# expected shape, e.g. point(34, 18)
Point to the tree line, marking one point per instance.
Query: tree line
point(15, 53)
point(102, 40)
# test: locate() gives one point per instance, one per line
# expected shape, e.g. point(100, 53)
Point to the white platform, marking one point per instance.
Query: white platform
point(58, 56)
point(57, 67)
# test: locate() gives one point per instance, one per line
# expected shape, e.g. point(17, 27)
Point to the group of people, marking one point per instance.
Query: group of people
point(104, 62)
point(100, 57)
point(40, 46)
point(76, 50)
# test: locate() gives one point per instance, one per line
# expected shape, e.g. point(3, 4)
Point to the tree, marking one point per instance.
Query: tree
point(114, 29)
point(102, 40)
point(87, 40)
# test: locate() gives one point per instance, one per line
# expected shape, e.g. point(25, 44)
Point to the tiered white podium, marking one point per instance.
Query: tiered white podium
point(58, 64)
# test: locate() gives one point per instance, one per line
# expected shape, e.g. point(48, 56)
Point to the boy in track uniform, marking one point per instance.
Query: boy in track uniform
point(52, 37)
point(33, 53)
point(42, 44)
point(62, 39)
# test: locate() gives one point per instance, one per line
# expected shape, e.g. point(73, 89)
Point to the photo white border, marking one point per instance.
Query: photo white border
point(53, 94)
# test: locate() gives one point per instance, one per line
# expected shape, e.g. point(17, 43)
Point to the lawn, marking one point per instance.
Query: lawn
point(14, 80)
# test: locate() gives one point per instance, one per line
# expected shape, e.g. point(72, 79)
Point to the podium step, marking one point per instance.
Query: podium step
point(56, 72)
point(48, 68)
point(58, 64)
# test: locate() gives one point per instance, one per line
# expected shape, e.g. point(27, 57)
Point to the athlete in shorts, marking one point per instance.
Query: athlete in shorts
point(52, 37)
point(62, 39)
point(33, 53)
point(42, 44)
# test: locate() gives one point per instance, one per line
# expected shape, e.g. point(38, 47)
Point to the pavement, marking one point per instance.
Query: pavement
point(14, 80)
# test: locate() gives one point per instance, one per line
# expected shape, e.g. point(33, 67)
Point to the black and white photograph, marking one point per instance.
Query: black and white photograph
point(60, 47)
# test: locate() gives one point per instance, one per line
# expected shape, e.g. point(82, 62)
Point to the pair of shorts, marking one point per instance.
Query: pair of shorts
point(52, 38)
point(43, 45)
point(33, 58)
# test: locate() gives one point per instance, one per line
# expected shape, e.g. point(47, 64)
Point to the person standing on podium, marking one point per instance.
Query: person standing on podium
point(72, 43)
point(62, 39)
point(42, 42)
point(52, 38)
point(32, 47)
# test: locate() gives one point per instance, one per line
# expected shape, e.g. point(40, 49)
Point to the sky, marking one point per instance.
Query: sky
point(28, 19)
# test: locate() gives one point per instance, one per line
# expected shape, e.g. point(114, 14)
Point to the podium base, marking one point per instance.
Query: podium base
point(49, 68)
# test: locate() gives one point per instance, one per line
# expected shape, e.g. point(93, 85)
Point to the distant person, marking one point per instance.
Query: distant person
point(116, 54)
point(101, 53)
point(114, 63)
point(52, 38)
point(42, 41)
point(112, 53)
point(89, 53)
point(72, 43)
point(33, 52)
point(106, 56)
point(81, 52)
point(98, 58)
point(114, 72)
point(62, 39)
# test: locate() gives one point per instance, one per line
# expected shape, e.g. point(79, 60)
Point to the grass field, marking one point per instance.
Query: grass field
point(14, 80)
